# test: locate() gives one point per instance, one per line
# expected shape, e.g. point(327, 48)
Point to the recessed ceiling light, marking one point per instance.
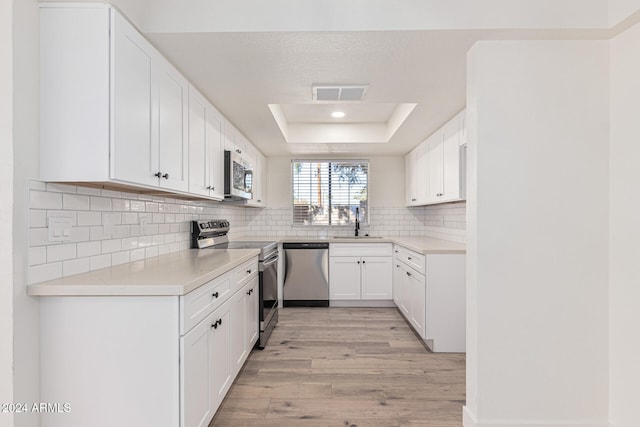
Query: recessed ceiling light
point(337, 114)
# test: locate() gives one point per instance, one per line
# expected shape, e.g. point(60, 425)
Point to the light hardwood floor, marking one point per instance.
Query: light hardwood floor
point(345, 367)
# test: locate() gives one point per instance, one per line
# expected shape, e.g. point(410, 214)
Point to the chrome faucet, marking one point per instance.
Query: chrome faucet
point(357, 221)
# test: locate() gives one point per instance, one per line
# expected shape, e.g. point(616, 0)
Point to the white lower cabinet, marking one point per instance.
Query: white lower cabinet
point(196, 376)
point(205, 366)
point(360, 272)
point(244, 324)
point(429, 290)
point(156, 361)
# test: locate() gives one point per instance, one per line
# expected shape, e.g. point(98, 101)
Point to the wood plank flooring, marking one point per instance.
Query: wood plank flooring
point(345, 367)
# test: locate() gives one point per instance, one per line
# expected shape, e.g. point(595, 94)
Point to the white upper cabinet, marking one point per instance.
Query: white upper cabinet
point(128, 117)
point(435, 169)
point(416, 175)
point(259, 163)
point(114, 110)
point(237, 142)
point(206, 148)
point(132, 144)
point(234, 140)
point(169, 133)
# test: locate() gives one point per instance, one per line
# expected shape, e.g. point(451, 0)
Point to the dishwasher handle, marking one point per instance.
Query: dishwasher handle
point(306, 245)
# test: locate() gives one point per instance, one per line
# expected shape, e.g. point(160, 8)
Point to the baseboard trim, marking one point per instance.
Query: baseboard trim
point(470, 420)
point(362, 303)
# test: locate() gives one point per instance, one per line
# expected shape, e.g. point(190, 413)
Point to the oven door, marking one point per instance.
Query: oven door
point(268, 290)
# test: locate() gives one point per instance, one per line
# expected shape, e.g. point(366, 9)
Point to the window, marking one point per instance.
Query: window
point(330, 192)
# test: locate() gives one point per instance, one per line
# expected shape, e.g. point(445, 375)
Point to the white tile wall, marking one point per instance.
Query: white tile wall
point(111, 227)
point(447, 222)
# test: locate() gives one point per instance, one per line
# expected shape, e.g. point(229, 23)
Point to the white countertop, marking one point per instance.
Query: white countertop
point(173, 274)
point(421, 244)
point(181, 272)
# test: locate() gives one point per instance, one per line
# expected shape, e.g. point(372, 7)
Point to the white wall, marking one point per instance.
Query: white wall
point(6, 214)
point(624, 276)
point(538, 234)
point(621, 9)
point(25, 144)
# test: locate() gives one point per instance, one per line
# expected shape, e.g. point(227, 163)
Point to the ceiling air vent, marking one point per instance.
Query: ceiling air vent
point(339, 93)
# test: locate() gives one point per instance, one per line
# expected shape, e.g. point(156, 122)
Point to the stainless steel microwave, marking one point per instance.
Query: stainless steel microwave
point(238, 176)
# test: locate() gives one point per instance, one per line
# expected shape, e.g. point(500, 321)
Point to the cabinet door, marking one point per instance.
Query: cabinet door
point(198, 150)
point(219, 350)
point(252, 320)
point(132, 157)
point(170, 125)
point(421, 174)
point(410, 179)
point(196, 376)
point(450, 189)
point(344, 278)
point(404, 291)
point(259, 180)
point(416, 175)
point(215, 144)
point(397, 283)
point(206, 155)
point(416, 299)
point(376, 280)
point(238, 330)
point(435, 168)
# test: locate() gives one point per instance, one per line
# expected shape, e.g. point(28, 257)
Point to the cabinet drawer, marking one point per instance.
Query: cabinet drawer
point(411, 258)
point(245, 272)
point(360, 249)
point(199, 303)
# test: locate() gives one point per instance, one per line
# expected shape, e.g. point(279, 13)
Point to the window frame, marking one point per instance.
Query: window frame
point(364, 219)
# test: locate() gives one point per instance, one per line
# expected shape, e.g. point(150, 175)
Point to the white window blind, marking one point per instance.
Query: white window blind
point(328, 192)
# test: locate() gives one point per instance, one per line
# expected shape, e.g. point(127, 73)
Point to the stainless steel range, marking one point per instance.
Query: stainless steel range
point(213, 234)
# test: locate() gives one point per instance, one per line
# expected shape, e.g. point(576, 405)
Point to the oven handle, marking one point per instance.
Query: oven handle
point(266, 264)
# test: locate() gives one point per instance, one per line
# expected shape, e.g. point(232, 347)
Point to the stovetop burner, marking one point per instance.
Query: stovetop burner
point(213, 234)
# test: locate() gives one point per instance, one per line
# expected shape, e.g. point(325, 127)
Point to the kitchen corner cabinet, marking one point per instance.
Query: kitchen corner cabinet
point(435, 169)
point(259, 181)
point(206, 148)
point(416, 176)
point(360, 272)
point(430, 292)
point(112, 108)
point(161, 361)
point(237, 142)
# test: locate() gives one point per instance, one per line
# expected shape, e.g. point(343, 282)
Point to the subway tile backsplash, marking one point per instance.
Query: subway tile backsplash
point(447, 222)
point(109, 227)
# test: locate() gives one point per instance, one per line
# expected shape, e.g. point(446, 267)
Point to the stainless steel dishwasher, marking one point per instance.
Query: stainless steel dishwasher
point(306, 275)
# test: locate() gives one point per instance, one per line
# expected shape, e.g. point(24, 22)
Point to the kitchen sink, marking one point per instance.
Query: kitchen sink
point(357, 237)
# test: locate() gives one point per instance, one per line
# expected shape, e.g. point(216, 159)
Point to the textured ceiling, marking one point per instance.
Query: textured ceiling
point(241, 73)
point(246, 54)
